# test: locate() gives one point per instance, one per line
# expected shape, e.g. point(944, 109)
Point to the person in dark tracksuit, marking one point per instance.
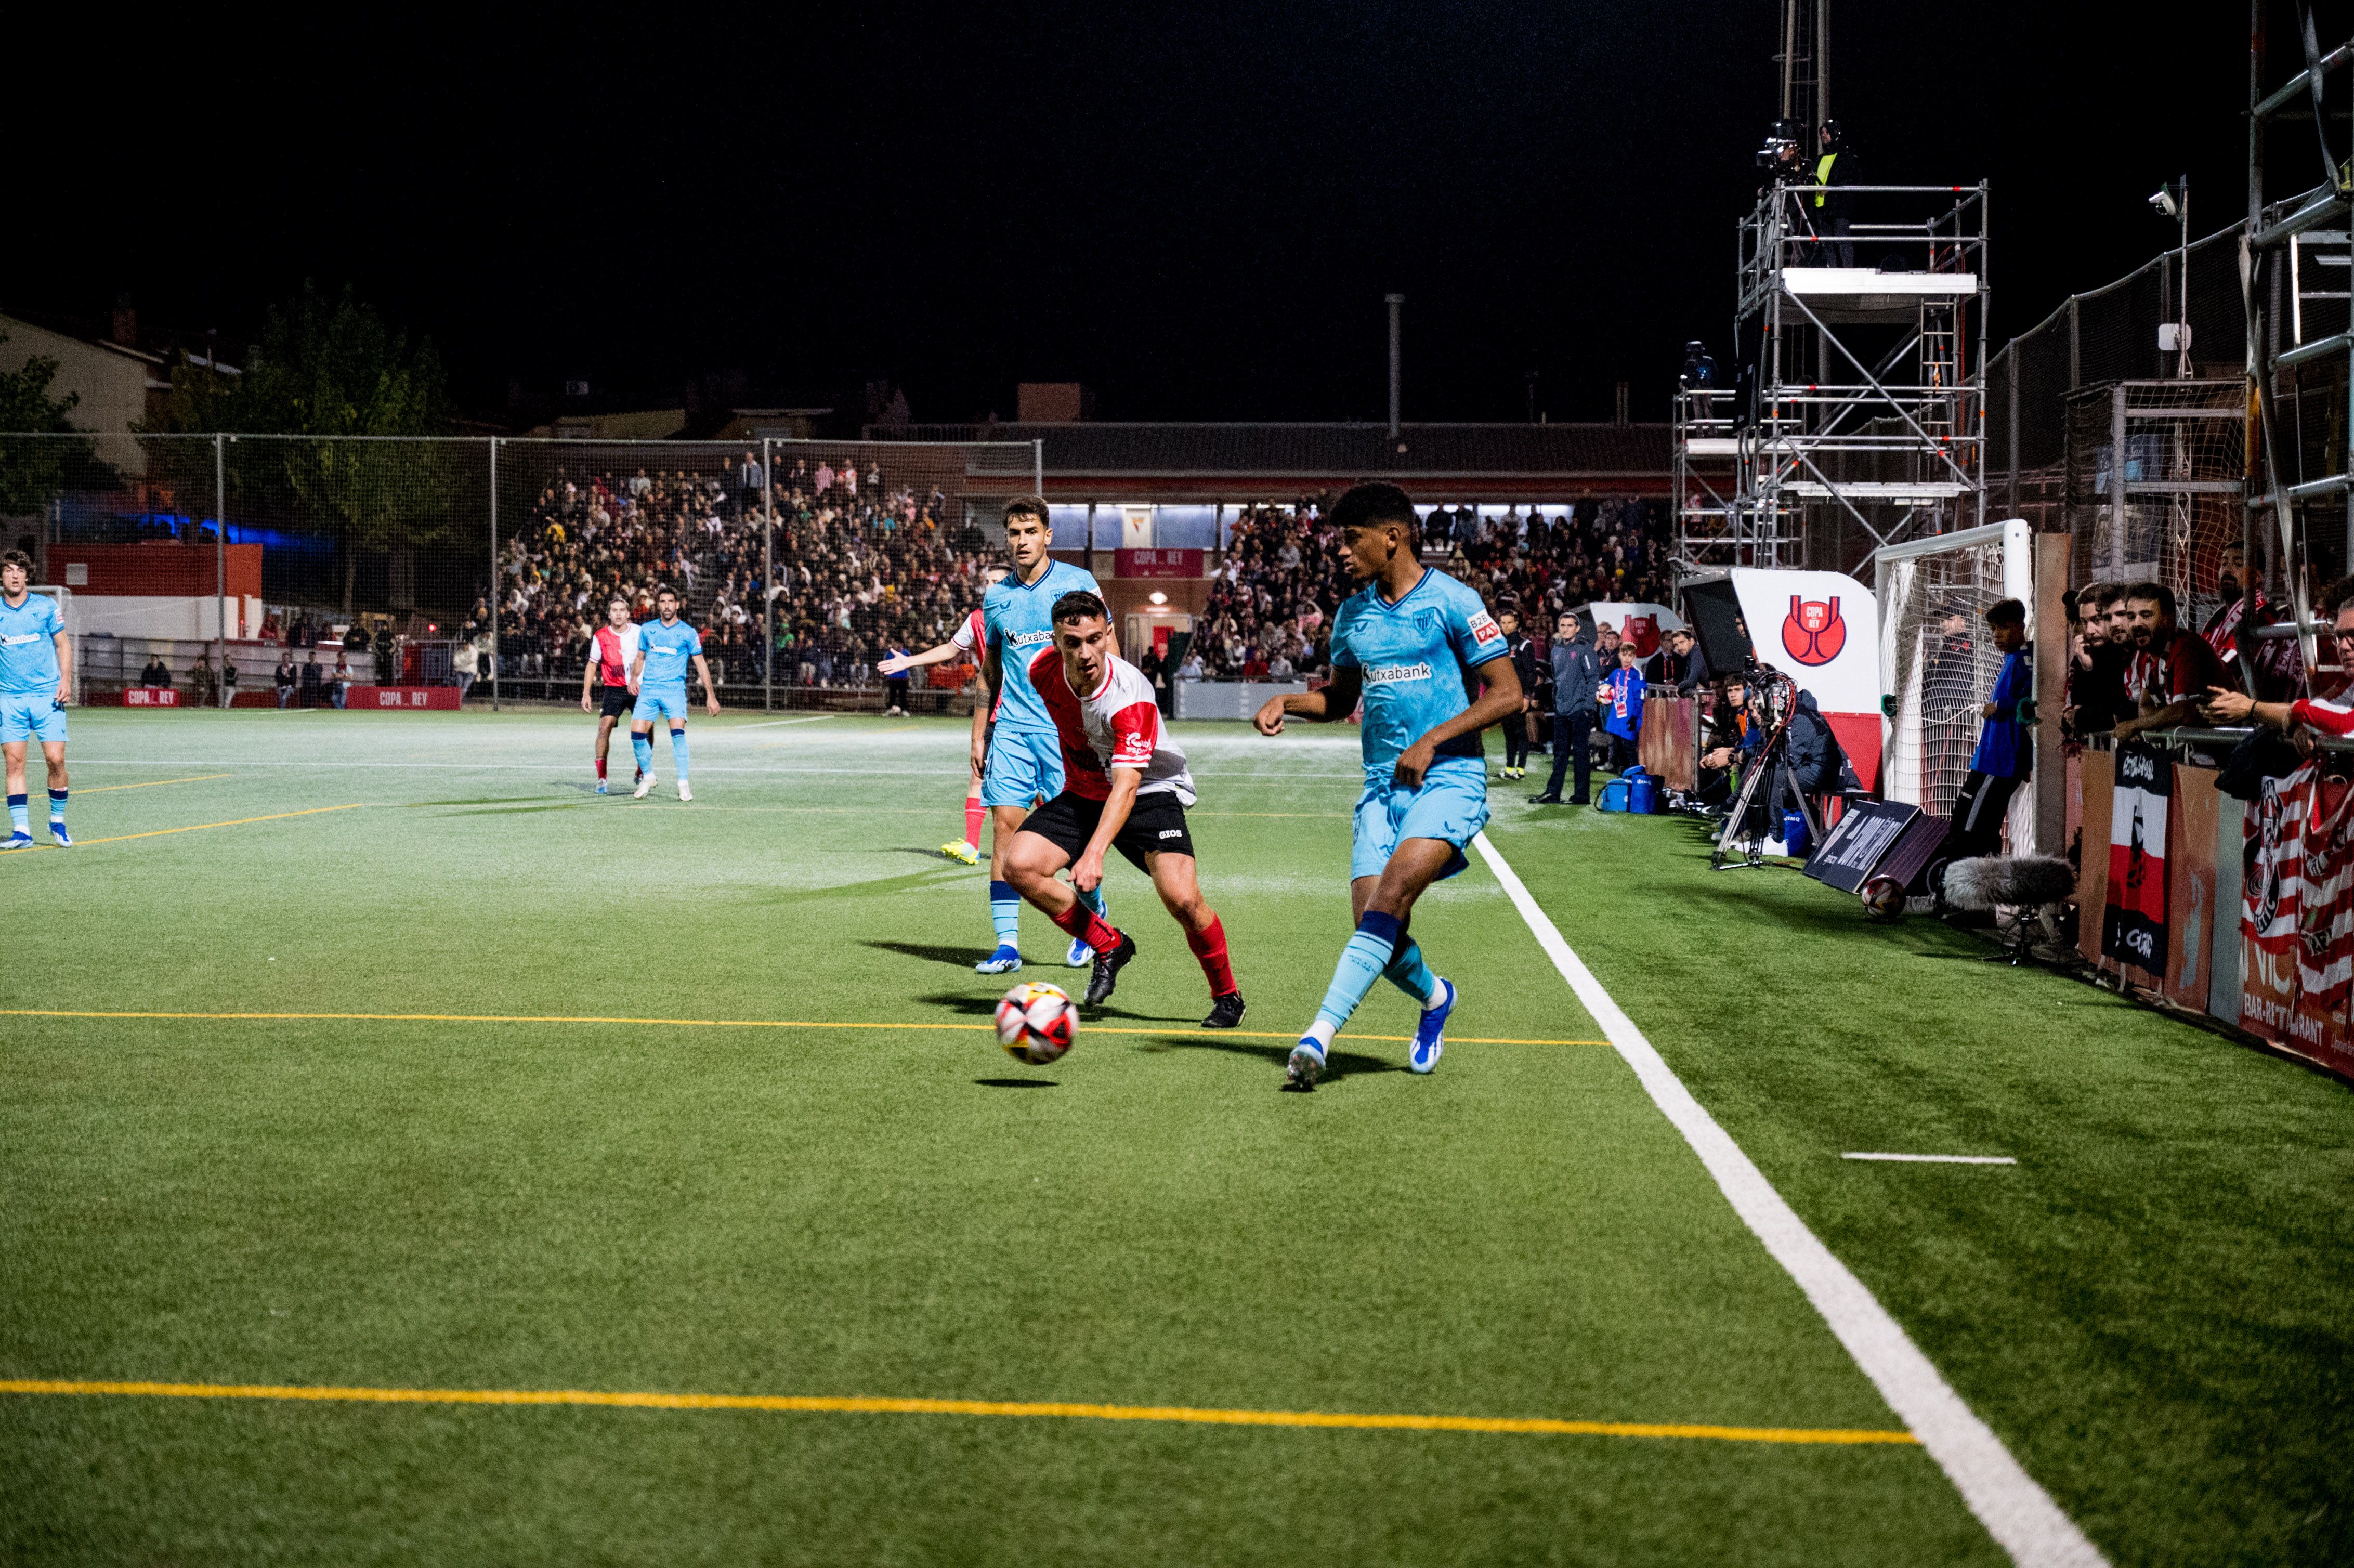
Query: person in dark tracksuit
point(1519, 728)
point(1576, 675)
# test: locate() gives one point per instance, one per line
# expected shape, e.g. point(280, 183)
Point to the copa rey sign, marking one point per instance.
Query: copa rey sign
point(1822, 629)
point(409, 698)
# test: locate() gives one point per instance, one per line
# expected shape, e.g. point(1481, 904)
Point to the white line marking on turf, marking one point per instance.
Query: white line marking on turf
point(1939, 1159)
point(2017, 1511)
point(772, 724)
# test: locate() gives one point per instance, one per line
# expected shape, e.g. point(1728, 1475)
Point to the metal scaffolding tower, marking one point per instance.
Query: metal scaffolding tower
point(2296, 271)
point(1860, 419)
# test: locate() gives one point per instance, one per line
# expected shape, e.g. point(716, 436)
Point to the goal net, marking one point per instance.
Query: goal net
point(1938, 660)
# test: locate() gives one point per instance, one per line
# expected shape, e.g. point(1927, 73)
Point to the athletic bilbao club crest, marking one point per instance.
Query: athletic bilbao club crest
point(1813, 633)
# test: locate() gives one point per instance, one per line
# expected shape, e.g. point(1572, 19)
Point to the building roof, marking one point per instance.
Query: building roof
point(1242, 462)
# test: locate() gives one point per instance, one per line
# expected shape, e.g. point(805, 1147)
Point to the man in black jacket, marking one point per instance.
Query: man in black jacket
point(1576, 678)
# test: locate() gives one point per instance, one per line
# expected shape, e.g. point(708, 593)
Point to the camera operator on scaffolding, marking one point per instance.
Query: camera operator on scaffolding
point(1831, 210)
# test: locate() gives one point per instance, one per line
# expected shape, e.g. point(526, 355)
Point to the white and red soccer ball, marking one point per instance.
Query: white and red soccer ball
point(1036, 1023)
point(1882, 898)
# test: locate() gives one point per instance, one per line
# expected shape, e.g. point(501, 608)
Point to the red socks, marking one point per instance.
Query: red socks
point(974, 811)
point(1210, 946)
point(1088, 925)
point(601, 768)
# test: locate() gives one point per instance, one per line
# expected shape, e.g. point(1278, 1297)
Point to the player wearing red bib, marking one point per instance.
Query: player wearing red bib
point(610, 652)
point(966, 646)
point(1126, 788)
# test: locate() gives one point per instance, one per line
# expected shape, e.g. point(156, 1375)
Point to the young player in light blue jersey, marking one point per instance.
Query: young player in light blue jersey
point(1018, 757)
point(35, 683)
point(1411, 644)
point(658, 680)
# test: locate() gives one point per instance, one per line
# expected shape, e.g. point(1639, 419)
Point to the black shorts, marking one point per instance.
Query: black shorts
point(618, 702)
point(1157, 822)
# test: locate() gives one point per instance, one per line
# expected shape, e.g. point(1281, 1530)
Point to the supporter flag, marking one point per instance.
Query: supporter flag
point(2133, 926)
point(2297, 919)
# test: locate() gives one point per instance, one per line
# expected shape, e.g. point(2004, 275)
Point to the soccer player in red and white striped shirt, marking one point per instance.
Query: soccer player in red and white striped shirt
point(966, 646)
point(1125, 788)
point(610, 652)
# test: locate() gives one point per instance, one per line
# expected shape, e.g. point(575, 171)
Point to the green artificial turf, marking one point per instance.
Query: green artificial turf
point(2142, 1308)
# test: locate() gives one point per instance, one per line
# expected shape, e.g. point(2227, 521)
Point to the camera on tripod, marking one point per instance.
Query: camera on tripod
point(1781, 146)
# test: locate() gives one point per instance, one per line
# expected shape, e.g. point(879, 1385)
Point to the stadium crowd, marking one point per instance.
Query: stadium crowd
point(1269, 612)
point(862, 567)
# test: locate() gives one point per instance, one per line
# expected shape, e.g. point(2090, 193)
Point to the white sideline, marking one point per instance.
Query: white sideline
point(2017, 1513)
point(1939, 1159)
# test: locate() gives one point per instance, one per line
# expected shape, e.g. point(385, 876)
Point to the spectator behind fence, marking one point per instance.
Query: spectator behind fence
point(309, 678)
point(200, 682)
point(466, 662)
point(157, 674)
point(2325, 712)
point(228, 680)
point(1577, 677)
point(2096, 664)
point(287, 677)
point(339, 683)
point(2172, 671)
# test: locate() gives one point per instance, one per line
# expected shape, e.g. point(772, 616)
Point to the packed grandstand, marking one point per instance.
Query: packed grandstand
point(865, 566)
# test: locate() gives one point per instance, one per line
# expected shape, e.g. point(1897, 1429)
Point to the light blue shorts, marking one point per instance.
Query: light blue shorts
point(1021, 765)
point(1452, 804)
point(655, 701)
point(24, 713)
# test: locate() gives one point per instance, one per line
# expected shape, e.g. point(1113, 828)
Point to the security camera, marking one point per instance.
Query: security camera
point(2163, 199)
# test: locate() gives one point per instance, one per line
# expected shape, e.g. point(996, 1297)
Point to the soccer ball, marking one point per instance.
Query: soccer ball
point(1884, 898)
point(1035, 1023)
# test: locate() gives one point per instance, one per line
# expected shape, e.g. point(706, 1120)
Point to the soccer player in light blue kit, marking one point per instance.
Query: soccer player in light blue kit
point(658, 680)
point(1410, 644)
point(35, 683)
point(1019, 759)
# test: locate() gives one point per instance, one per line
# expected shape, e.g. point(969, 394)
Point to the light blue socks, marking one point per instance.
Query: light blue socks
point(1411, 975)
point(1005, 914)
point(677, 752)
point(1371, 948)
point(643, 745)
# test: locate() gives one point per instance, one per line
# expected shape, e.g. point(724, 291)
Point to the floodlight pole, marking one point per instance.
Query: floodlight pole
point(221, 561)
point(768, 574)
point(1394, 301)
point(494, 577)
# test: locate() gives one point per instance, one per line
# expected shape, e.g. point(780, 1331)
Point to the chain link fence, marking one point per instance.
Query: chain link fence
point(2129, 440)
point(441, 571)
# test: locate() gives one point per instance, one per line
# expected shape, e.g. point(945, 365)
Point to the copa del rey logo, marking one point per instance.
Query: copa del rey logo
point(1813, 633)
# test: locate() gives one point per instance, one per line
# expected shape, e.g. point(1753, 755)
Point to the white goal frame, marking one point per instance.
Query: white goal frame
point(1930, 726)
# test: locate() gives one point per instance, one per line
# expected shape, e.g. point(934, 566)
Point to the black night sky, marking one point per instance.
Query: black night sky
point(1196, 210)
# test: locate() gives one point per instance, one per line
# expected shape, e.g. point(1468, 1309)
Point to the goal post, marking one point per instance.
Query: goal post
point(1938, 662)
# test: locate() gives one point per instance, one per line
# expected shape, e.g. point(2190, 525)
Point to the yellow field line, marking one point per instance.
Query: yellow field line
point(200, 827)
point(858, 1406)
point(152, 784)
point(711, 1023)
